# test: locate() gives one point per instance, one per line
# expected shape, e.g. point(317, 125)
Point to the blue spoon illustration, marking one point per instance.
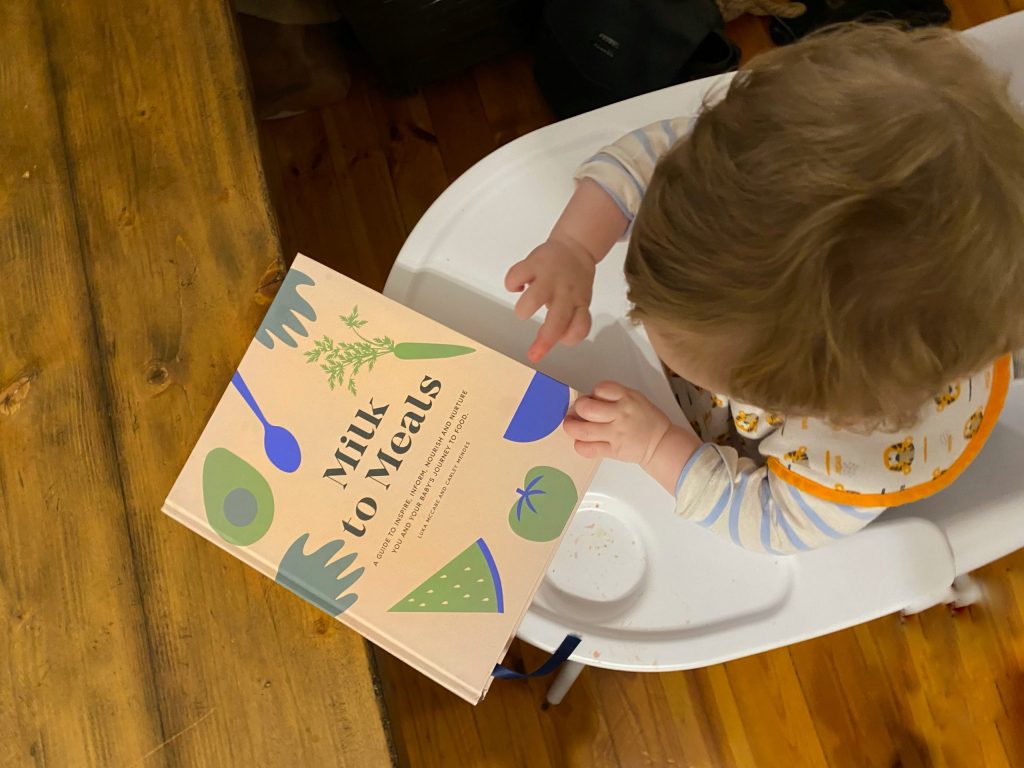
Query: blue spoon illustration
point(279, 444)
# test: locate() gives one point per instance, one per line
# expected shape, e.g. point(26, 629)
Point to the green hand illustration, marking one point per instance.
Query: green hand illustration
point(315, 579)
point(284, 316)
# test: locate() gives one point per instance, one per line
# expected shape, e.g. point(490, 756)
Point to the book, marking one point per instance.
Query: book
point(401, 477)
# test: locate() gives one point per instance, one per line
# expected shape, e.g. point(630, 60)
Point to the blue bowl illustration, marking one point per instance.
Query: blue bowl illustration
point(541, 410)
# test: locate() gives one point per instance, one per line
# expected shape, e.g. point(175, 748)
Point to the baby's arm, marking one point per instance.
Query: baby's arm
point(624, 169)
point(757, 510)
point(559, 273)
point(713, 486)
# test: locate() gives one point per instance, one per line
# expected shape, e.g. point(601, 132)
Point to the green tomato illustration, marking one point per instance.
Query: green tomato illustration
point(544, 504)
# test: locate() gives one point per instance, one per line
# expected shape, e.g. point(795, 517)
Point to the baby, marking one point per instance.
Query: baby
point(829, 261)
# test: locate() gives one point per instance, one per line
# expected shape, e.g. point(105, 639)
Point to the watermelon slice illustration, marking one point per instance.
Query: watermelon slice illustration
point(541, 410)
point(469, 583)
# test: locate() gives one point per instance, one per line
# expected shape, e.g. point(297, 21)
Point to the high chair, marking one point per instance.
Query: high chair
point(645, 590)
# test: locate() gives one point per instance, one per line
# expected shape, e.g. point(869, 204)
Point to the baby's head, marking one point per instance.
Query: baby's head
point(843, 232)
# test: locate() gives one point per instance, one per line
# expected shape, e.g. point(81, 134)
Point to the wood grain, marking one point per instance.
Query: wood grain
point(135, 233)
point(281, 686)
point(940, 689)
point(76, 681)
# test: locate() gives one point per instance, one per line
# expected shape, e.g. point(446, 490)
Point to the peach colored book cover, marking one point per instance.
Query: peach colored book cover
point(396, 474)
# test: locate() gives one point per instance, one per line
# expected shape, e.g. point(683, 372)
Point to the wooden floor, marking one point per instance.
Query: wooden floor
point(136, 234)
point(936, 689)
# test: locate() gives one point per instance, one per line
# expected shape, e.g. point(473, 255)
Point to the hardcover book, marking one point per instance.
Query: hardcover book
point(396, 474)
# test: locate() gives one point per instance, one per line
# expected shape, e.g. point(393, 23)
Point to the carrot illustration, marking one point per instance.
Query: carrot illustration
point(342, 360)
point(411, 350)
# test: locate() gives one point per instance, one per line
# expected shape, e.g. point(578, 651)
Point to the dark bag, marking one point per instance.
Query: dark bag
point(596, 52)
point(414, 42)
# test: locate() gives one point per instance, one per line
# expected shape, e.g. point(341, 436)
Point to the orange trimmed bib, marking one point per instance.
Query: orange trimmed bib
point(879, 469)
point(885, 469)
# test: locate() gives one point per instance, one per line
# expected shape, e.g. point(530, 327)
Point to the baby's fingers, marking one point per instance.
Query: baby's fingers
point(586, 431)
point(533, 299)
point(519, 275)
point(593, 450)
point(591, 409)
point(578, 328)
point(557, 320)
point(610, 390)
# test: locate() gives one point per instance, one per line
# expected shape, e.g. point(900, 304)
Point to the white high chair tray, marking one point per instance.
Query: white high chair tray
point(643, 588)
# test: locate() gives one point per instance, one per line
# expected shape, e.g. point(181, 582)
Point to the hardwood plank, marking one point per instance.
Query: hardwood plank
point(970, 13)
point(176, 235)
point(463, 134)
point(691, 714)
point(990, 639)
point(417, 171)
point(730, 733)
point(311, 190)
point(512, 101)
point(76, 682)
point(361, 159)
point(434, 728)
point(885, 648)
point(931, 640)
point(1007, 620)
point(576, 732)
point(780, 728)
point(832, 672)
point(302, 184)
point(633, 704)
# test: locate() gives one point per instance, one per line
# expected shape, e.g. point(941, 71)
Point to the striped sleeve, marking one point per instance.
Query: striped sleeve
point(754, 509)
point(623, 169)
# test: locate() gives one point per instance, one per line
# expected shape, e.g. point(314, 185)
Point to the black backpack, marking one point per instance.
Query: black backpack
point(596, 52)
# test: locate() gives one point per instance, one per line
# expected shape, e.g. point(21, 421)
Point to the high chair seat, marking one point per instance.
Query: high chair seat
point(643, 588)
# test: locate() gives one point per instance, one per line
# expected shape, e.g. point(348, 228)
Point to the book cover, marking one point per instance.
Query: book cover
point(391, 471)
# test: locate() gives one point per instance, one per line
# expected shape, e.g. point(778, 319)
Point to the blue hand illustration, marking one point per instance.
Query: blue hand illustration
point(285, 311)
point(314, 578)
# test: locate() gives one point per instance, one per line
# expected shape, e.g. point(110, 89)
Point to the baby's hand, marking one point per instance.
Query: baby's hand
point(558, 274)
point(618, 423)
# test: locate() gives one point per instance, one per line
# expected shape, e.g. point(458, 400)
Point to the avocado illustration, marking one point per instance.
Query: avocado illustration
point(238, 500)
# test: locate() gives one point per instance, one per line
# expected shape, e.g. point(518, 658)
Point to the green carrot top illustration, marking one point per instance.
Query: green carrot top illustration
point(341, 361)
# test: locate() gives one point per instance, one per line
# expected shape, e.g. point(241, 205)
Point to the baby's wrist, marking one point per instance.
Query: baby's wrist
point(673, 450)
point(574, 246)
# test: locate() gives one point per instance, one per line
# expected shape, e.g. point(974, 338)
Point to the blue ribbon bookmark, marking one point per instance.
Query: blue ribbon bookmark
point(562, 652)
